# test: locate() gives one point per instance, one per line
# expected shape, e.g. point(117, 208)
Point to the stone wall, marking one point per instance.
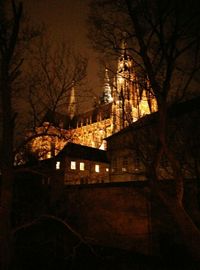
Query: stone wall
point(116, 215)
point(119, 215)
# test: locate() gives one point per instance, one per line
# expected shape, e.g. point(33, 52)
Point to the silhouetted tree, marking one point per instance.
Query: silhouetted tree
point(15, 37)
point(163, 39)
point(55, 83)
point(9, 34)
point(54, 71)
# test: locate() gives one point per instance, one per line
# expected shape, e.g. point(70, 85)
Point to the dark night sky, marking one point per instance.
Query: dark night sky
point(65, 19)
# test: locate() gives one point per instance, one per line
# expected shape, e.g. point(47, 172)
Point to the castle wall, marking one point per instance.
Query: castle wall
point(120, 215)
point(111, 215)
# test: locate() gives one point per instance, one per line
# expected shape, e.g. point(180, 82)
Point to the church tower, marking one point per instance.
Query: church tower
point(131, 100)
point(123, 96)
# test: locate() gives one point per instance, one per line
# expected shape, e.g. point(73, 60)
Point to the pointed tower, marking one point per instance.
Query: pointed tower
point(122, 115)
point(131, 100)
point(107, 93)
point(71, 110)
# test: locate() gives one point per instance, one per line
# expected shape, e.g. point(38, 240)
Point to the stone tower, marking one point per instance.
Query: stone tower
point(131, 100)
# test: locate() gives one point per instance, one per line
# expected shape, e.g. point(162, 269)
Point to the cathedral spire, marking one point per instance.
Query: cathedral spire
point(107, 93)
point(72, 103)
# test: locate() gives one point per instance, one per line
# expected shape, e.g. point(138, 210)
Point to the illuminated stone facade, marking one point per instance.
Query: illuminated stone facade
point(124, 101)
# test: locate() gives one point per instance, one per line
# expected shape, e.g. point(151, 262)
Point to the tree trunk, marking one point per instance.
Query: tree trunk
point(6, 181)
point(190, 234)
point(6, 187)
point(7, 167)
point(7, 46)
point(5, 220)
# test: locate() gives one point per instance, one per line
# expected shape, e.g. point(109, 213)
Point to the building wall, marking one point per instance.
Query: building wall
point(124, 162)
point(120, 215)
point(110, 216)
point(93, 134)
point(138, 144)
point(48, 140)
point(53, 139)
point(84, 175)
point(76, 171)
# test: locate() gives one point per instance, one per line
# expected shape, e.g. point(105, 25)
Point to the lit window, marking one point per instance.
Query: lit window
point(82, 166)
point(73, 165)
point(125, 162)
point(123, 169)
point(57, 165)
point(107, 169)
point(97, 168)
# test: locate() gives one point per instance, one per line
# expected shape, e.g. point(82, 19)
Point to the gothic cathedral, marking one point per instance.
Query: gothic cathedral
point(124, 100)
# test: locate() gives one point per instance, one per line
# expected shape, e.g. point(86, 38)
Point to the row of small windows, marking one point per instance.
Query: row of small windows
point(81, 166)
point(73, 166)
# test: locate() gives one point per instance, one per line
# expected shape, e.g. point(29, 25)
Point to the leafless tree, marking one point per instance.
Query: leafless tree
point(15, 38)
point(163, 39)
point(54, 71)
point(9, 35)
point(55, 75)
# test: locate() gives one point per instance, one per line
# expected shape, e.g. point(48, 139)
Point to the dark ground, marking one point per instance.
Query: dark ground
point(43, 247)
point(48, 245)
point(104, 259)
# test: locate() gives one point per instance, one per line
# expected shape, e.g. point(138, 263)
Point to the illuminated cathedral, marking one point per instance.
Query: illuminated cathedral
point(124, 100)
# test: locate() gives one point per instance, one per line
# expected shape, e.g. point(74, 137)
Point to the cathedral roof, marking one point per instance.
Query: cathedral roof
point(57, 118)
point(102, 111)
